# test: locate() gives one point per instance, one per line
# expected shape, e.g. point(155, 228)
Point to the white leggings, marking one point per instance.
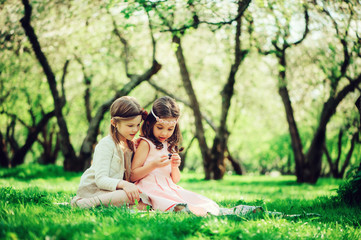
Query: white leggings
point(115, 198)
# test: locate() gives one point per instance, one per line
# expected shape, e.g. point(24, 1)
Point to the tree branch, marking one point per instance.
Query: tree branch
point(339, 148)
point(196, 22)
point(151, 35)
point(63, 98)
point(307, 19)
point(329, 159)
point(125, 44)
point(87, 82)
point(15, 117)
point(349, 153)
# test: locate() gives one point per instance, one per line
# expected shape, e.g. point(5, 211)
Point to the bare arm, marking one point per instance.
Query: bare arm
point(175, 173)
point(130, 189)
point(138, 169)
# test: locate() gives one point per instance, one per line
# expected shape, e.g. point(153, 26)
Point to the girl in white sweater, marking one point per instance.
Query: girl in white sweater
point(107, 182)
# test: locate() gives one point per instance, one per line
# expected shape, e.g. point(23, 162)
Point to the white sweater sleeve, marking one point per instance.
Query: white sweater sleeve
point(102, 161)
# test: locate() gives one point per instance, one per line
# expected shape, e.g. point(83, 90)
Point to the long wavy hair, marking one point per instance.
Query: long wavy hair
point(164, 107)
point(124, 108)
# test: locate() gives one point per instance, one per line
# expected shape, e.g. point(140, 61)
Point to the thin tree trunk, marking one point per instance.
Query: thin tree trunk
point(87, 103)
point(183, 154)
point(358, 106)
point(349, 155)
point(220, 141)
point(195, 106)
point(87, 93)
point(4, 159)
point(333, 168)
point(295, 137)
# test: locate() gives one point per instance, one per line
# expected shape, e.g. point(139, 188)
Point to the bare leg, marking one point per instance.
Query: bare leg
point(115, 198)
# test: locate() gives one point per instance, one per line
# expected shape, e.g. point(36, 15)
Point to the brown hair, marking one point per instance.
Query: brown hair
point(164, 107)
point(124, 108)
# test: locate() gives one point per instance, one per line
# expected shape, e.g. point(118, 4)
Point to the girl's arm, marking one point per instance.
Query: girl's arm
point(102, 160)
point(175, 173)
point(139, 170)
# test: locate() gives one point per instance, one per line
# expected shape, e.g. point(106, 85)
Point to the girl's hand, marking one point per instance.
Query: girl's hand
point(132, 191)
point(162, 162)
point(175, 160)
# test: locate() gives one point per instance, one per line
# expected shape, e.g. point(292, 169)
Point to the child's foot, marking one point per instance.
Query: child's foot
point(143, 207)
point(245, 209)
point(240, 210)
point(179, 208)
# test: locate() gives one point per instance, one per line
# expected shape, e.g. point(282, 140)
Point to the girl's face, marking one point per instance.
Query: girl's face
point(128, 128)
point(163, 131)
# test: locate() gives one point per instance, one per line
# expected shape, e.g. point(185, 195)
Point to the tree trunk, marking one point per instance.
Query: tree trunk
point(213, 159)
point(314, 155)
point(70, 159)
point(195, 107)
point(295, 137)
point(222, 134)
point(358, 106)
point(88, 108)
point(4, 159)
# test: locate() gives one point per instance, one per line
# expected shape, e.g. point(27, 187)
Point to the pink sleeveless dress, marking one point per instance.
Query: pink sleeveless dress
point(164, 194)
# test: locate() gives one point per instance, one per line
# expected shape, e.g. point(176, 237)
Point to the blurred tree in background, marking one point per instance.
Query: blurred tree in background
point(224, 62)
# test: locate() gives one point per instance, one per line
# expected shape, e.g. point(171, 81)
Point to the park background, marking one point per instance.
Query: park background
point(265, 88)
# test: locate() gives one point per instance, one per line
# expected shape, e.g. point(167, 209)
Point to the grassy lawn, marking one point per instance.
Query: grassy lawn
point(27, 211)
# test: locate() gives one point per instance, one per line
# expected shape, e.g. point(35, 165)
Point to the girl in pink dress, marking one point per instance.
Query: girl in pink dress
point(155, 167)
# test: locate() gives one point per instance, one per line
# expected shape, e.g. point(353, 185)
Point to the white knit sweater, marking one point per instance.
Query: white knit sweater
point(106, 171)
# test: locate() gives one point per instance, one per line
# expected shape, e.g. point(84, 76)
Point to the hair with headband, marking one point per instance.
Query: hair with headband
point(124, 108)
point(164, 107)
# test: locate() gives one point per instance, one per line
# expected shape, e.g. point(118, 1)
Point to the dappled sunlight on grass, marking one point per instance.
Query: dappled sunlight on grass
point(51, 185)
point(251, 188)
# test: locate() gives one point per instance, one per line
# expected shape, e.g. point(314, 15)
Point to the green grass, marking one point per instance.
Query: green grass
point(27, 211)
